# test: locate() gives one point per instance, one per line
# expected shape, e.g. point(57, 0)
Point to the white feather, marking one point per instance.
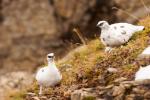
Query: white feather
point(48, 76)
point(146, 51)
point(143, 73)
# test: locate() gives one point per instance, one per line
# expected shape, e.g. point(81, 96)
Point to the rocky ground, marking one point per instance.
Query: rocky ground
point(14, 81)
point(121, 89)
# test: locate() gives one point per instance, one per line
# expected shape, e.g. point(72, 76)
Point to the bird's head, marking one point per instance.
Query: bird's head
point(102, 24)
point(50, 57)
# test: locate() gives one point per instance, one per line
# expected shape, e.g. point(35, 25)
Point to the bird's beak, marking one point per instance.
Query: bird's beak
point(97, 25)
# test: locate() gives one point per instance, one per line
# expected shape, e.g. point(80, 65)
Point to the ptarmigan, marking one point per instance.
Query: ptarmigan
point(48, 75)
point(145, 53)
point(143, 73)
point(116, 34)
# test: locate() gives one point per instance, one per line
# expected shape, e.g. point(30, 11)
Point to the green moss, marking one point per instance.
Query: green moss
point(99, 58)
point(18, 96)
point(89, 98)
point(82, 55)
point(128, 67)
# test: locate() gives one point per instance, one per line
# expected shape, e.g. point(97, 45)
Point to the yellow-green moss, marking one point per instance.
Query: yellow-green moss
point(89, 98)
point(17, 96)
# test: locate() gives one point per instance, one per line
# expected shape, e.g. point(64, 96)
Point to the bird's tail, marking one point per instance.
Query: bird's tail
point(139, 28)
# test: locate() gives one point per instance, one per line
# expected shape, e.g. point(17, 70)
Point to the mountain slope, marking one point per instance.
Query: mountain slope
point(89, 67)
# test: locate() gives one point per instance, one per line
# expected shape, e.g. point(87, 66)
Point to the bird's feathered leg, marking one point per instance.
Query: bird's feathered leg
point(40, 92)
point(108, 49)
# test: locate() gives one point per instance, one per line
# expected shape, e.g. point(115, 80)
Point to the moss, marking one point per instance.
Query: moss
point(99, 58)
point(89, 98)
point(128, 67)
point(17, 96)
point(34, 88)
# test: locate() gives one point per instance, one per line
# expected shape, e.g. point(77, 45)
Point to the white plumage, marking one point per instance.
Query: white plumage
point(48, 75)
point(116, 34)
point(143, 73)
point(146, 51)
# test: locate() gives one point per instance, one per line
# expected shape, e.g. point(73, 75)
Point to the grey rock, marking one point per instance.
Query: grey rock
point(147, 95)
point(118, 90)
point(138, 90)
point(112, 70)
point(76, 95)
point(120, 80)
point(82, 95)
point(15, 81)
point(35, 98)
point(31, 94)
point(130, 97)
point(144, 82)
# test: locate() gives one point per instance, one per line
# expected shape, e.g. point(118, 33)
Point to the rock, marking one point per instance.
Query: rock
point(143, 82)
point(118, 90)
point(127, 86)
point(101, 79)
point(82, 95)
point(43, 98)
point(120, 80)
point(123, 90)
point(137, 90)
point(130, 97)
point(100, 99)
point(109, 86)
point(15, 81)
point(147, 95)
point(112, 70)
point(31, 94)
point(76, 95)
point(35, 98)
point(67, 93)
point(143, 56)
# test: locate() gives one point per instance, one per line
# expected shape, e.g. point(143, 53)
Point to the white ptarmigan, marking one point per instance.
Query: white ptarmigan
point(48, 75)
point(143, 73)
point(116, 34)
point(145, 53)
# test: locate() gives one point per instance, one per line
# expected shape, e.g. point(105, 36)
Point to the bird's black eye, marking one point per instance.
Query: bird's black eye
point(101, 24)
point(50, 56)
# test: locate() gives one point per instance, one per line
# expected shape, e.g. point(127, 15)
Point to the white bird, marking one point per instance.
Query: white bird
point(116, 34)
point(143, 73)
point(145, 53)
point(48, 75)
